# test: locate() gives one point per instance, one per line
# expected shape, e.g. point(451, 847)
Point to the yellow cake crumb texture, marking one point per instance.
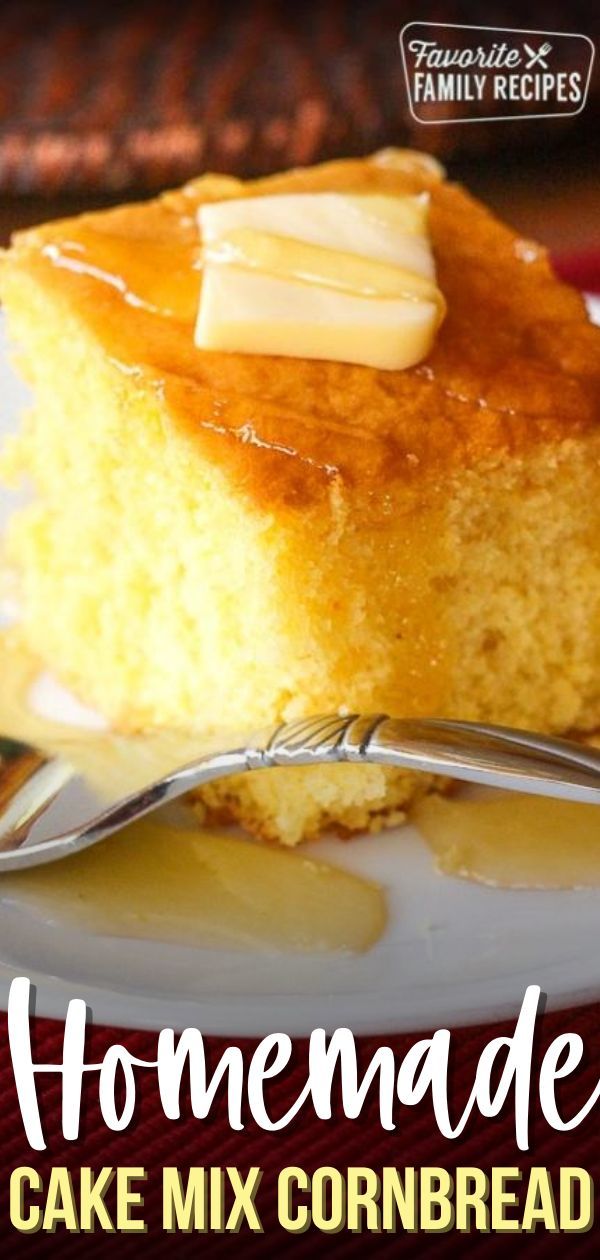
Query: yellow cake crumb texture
point(218, 546)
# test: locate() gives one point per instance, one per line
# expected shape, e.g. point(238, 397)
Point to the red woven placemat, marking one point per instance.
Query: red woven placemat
point(581, 270)
point(155, 1142)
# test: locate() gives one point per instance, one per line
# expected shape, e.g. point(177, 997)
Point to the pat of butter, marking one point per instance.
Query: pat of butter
point(320, 275)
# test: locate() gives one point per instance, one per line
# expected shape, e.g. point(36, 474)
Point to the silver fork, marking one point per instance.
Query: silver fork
point(49, 811)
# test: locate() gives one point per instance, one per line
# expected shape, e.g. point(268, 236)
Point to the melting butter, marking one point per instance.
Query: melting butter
point(513, 841)
point(384, 228)
point(348, 277)
point(314, 264)
point(172, 880)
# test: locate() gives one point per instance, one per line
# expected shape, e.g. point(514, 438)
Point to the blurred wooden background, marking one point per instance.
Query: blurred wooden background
point(102, 101)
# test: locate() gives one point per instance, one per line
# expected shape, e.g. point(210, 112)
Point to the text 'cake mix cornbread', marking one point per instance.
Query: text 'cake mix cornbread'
point(222, 539)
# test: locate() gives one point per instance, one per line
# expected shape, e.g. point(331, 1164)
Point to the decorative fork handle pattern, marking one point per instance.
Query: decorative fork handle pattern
point(498, 757)
point(494, 756)
point(330, 738)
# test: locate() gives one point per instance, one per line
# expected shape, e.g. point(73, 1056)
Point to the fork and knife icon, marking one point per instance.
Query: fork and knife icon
point(537, 57)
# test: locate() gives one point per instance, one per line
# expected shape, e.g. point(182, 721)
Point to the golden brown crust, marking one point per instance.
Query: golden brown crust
point(516, 363)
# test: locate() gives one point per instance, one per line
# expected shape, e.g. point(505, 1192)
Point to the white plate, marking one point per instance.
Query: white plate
point(454, 952)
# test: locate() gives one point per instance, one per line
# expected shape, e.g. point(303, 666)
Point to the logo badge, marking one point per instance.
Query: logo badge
point(475, 73)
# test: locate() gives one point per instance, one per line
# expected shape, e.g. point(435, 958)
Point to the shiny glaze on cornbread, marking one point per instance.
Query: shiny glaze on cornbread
point(516, 362)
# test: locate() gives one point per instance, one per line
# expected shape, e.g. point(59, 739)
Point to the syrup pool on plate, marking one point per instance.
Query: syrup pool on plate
point(513, 840)
point(166, 877)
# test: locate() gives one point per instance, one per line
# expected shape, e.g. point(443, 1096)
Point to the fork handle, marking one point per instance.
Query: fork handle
point(498, 757)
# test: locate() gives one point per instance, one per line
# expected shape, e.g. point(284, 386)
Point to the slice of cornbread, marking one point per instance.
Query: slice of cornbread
point(223, 541)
